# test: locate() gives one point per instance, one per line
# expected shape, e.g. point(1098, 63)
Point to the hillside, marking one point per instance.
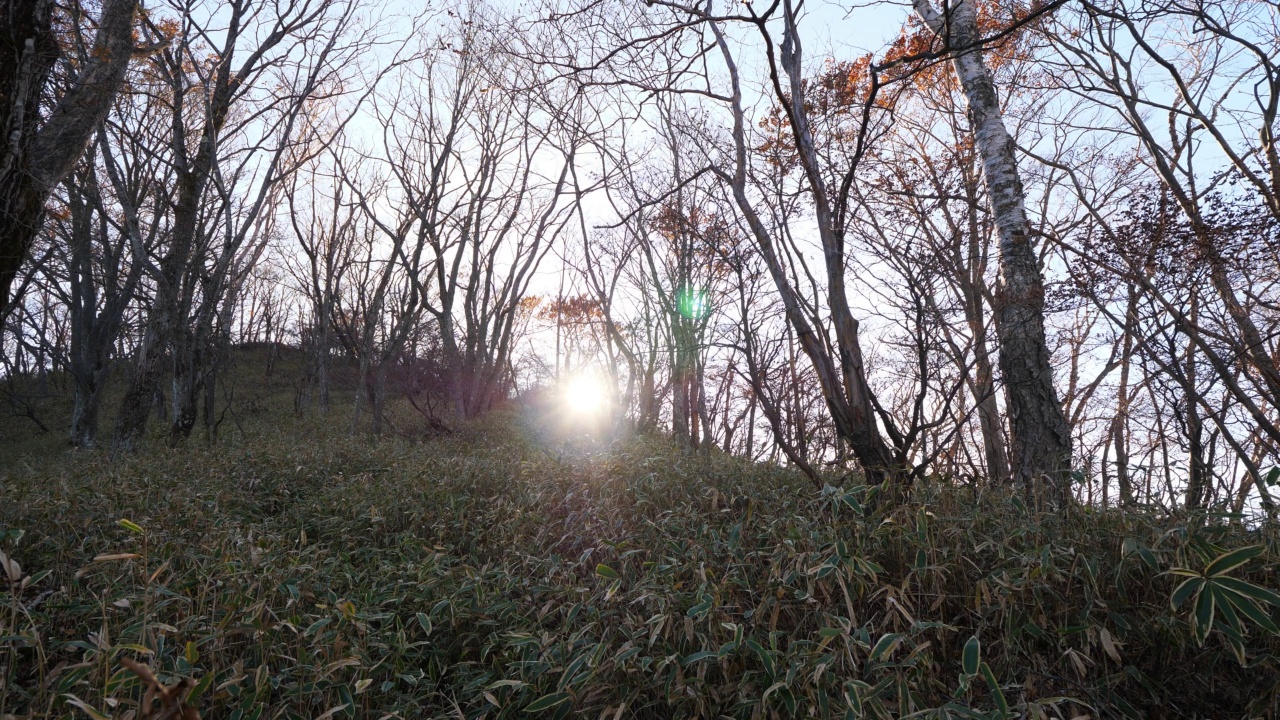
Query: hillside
point(620, 360)
point(506, 571)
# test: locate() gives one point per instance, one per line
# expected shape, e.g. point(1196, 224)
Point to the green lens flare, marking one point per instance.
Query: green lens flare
point(693, 303)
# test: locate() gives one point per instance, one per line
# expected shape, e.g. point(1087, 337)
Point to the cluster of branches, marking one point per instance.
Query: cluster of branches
point(1023, 243)
point(1052, 228)
point(377, 190)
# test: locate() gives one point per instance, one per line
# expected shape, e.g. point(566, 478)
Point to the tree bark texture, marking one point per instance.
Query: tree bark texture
point(35, 156)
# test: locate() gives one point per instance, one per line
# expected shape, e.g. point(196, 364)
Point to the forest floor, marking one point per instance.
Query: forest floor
point(519, 568)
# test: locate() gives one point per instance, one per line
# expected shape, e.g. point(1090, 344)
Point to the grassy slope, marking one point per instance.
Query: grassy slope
point(297, 571)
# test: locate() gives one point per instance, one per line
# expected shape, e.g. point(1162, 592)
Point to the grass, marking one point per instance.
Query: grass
point(509, 571)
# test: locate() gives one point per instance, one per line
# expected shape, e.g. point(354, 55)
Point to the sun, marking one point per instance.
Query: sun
point(585, 394)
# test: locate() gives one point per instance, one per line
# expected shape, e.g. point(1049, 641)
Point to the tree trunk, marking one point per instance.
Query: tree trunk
point(1040, 435)
point(211, 404)
point(973, 290)
point(322, 370)
point(135, 408)
point(647, 414)
point(87, 359)
point(90, 367)
point(361, 373)
point(33, 160)
point(844, 377)
point(1120, 424)
point(377, 385)
point(186, 396)
point(707, 439)
point(679, 393)
point(84, 414)
point(989, 414)
point(1198, 472)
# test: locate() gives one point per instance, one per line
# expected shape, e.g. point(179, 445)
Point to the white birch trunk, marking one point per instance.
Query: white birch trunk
point(1040, 435)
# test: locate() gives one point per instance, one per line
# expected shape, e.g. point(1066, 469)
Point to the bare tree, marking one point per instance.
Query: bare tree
point(1040, 437)
point(1206, 150)
point(212, 236)
point(473, 214)
point(324, 220)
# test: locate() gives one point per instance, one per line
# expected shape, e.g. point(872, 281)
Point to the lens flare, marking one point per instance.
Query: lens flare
point(693, 303)
point(586, 394)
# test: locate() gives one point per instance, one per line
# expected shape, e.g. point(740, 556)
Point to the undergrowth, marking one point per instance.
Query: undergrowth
point(500, 572)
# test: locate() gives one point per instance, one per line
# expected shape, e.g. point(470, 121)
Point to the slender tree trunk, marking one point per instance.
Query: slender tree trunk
point(973, 284)
point(798, 424)
point(680, 408)
point(362, 373)
point(683, 425)
point(318, 347)
point(87, 359)
point(704, 438)
point(90, 366)
point(848, 393)
point(1105, 472)
point(1040, 435)
point(984, 391)
point(211, 403)
point(989, 414)
point(322, 370)
point(1120, 424)
point(1198, 473)
point(844, 385)
point(647, 415)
